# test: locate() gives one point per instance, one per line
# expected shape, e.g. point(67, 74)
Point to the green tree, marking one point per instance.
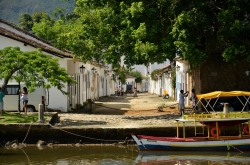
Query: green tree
point(234, 31)
point(137, 75)
point(173, 81)
point(152, 31)
point(25, 22)
point(43, 29)
point(107, 30)
point(155, 73)
point(212, 29)
point(38, 16)
point(33, 68)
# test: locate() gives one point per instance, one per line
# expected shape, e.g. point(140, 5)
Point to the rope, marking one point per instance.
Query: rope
point(86, 136)
point(228, 146)
point(28, 159)
point(27, 133)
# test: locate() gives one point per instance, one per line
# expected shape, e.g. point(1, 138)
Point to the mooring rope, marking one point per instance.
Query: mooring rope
point(228, 146)
point(86, 136)
point(27, 132)
point(28, 159)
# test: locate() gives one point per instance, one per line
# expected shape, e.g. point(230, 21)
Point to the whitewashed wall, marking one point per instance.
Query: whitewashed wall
point(182, 82)
point(88, 87)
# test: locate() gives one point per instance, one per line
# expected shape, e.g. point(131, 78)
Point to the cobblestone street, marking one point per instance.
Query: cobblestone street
point(124, 112)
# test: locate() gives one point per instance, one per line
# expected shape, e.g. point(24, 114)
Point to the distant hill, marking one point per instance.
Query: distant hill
point(11, 10)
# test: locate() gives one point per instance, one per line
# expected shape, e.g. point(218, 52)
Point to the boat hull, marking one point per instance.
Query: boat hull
point(189, 144)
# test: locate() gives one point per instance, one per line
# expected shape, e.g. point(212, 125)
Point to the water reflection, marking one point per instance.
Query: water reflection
point(115, 155)
point(193, 158)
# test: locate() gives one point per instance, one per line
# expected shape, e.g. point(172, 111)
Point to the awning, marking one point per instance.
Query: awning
point(217, 94)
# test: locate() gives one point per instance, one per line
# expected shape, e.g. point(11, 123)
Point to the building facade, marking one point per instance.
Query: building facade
point(93, 83)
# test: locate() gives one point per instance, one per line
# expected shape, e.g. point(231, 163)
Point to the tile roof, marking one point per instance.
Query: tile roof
point(169, 65)
point(128, 76)
point(46, 47)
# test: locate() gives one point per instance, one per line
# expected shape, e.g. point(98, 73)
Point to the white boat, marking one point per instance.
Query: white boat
point(213, 141)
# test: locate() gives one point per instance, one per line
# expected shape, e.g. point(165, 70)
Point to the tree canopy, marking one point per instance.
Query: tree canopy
point(152, 31)
point(137, 75)
point(107, 30)
point(217, 29)
point(33, 68)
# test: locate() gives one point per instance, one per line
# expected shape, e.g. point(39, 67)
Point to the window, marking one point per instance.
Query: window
point(12, 90)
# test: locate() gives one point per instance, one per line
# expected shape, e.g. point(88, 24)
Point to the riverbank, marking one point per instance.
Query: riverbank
point(111, 122)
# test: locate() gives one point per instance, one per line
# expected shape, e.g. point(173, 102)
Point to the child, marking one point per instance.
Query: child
point(24, 96)
point(193, 98)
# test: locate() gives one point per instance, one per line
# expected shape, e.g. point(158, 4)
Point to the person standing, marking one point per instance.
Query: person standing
point(24, 97)
point(1, 101)
point(193, 98)
point(116, 91)
point(122, 92)
point(135, 92)
point(182, 96)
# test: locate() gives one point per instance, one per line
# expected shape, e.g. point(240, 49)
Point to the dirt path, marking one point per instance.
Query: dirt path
point(124, 112)
point(144, 104)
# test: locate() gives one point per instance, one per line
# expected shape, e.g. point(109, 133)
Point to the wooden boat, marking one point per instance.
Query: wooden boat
point(212, 142)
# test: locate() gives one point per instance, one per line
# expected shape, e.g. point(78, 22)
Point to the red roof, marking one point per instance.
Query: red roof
point(166, 66)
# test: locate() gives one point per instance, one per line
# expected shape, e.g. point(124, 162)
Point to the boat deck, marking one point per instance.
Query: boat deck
point(192, 139)
point(240, 116)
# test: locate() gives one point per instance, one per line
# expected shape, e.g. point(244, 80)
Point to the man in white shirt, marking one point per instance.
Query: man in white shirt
point(182, 96)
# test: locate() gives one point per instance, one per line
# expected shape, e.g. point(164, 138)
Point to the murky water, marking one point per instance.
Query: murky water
point(115, 155)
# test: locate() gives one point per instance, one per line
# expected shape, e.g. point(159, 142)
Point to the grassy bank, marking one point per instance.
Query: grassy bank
point(13, 117)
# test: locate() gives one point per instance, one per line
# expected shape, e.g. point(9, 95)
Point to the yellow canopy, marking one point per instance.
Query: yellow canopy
point(216, 94)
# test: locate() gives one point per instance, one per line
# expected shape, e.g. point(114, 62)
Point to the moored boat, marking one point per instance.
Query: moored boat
point(212, 142)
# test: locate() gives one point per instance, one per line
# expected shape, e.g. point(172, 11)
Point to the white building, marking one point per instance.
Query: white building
point(92, 84)
point(146, 85)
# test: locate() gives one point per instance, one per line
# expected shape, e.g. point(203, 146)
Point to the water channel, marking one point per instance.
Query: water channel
point(115, 155)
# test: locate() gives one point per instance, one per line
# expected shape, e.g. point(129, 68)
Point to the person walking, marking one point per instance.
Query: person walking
point(24, 97)
point(1, 101)
point(193, 98)
point(182, 96)
point(135, 92)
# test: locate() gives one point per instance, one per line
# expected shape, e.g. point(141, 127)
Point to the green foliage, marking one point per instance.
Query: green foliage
point(147, 32)
point(38, 16)
point(155, 73)
point(212, 28)
point(43, 28)
point(106, 30)
point(33, 68)
point(121, 73)
point(173, 79)
point(11, 11)
point(25, 22)
point(137, 75)
point(40, 21)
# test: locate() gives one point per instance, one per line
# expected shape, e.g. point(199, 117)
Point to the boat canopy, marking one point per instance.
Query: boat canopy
point(207, 97)
point(217, 94)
